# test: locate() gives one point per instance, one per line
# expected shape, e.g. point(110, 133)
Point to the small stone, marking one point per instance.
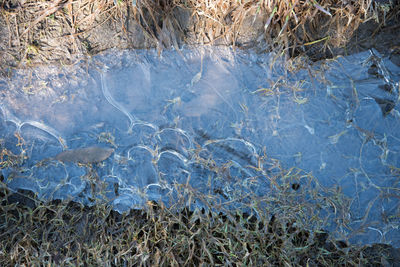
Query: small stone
point(85, 155)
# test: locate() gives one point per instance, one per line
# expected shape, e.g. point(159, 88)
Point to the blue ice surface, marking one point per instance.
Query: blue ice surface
point(214, 120)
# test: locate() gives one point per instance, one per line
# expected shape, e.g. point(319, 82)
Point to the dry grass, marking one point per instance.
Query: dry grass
point(63, 233)
point(285, 226)
point(64, 30)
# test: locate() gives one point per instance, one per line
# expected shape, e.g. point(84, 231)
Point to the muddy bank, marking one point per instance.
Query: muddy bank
point(41, 32)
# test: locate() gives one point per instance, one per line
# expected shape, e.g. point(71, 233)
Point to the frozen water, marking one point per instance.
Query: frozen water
point(206, 119)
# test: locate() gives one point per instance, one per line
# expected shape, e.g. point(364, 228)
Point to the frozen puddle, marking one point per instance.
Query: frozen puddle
point(205, 120)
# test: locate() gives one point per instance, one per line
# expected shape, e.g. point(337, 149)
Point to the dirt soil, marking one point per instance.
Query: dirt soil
point(41, 32)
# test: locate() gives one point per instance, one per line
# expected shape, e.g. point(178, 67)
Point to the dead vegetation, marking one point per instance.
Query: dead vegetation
point(286, 226)
point(67, 233)
point(63, 31)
